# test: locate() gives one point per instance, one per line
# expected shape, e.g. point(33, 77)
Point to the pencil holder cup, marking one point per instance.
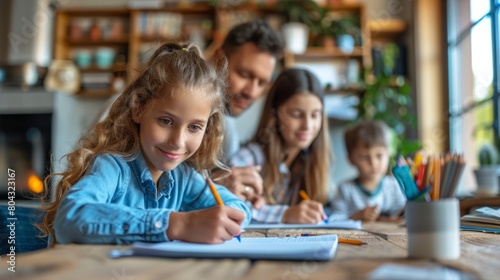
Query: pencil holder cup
point(433, 229)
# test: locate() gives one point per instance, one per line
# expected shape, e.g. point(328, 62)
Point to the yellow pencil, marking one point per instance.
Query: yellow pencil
point(219, 201)
point(215, 193)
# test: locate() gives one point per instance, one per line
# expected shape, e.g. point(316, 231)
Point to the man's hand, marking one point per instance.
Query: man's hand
point(244, 182)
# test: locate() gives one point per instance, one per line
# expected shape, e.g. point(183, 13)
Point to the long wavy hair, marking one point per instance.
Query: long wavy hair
point(172, 66)
point(315, 161)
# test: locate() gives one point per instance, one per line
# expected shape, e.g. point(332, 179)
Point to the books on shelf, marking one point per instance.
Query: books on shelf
point(96, 80)
point(484, 219)
point(311, 248)
point(159, 24)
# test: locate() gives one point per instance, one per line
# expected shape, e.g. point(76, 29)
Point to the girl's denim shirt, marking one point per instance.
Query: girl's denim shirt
point(117, 202)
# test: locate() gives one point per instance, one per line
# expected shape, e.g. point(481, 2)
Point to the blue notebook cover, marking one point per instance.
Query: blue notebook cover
point(480, 229)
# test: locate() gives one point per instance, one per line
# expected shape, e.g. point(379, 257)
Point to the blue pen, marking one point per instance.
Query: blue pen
point(325, 218)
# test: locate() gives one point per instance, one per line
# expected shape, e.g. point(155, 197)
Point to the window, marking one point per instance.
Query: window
point(473, 96)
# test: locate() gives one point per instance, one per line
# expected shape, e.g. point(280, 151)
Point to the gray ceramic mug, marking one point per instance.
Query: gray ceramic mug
point(433, 229)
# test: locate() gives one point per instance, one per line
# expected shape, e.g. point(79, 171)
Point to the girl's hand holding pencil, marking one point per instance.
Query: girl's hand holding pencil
point(212, 225)
point(306, 212)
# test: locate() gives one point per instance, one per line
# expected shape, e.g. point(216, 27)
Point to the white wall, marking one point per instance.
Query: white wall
point(72, 116)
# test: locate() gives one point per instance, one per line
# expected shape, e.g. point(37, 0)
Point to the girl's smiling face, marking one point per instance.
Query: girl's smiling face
point(172, 128)
point(300, 119)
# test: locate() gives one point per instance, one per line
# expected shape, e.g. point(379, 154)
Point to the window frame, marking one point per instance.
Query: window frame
point(453, 45)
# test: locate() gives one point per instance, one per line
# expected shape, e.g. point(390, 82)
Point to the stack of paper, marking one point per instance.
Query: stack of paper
point(311, 248)
point(482, 219)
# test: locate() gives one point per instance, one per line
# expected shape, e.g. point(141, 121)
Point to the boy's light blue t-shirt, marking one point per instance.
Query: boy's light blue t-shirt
point(349, 199)
point(117, 202)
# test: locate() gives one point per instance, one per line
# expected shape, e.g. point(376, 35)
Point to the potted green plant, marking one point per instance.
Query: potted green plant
point(487, 173)
point(346, 31)
point(387, 97)
point(303, 17)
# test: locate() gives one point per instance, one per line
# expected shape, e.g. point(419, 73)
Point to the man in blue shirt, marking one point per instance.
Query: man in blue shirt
point(252, 50)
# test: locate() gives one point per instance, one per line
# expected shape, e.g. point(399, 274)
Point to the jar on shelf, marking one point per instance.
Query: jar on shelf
point(95, 31)
point(75, 30)
point(117, 29)
point(105, 27)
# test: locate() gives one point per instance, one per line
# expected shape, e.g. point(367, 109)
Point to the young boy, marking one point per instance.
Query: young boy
point(373, 195)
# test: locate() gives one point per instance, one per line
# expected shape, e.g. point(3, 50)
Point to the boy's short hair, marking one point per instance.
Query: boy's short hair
point(257, 32)
point(367, 133)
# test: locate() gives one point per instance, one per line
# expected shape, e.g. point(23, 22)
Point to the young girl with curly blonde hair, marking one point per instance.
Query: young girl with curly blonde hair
point(135, 176)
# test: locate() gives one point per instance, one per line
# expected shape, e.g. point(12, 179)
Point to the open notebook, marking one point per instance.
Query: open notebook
point(335, 224)
point(311, 248)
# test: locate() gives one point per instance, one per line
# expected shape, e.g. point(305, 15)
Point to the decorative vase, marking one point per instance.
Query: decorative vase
point(346, 43)
point(296, 36)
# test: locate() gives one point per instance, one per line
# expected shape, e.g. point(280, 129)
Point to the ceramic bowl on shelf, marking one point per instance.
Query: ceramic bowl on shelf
point(104, 57)
point(83, 58)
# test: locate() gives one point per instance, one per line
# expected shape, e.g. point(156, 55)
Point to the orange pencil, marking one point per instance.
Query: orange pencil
point(304, 195)
point(351, 241)
point(436, 186)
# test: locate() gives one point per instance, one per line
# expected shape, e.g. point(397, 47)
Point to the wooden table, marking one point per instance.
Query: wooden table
point(386, 244)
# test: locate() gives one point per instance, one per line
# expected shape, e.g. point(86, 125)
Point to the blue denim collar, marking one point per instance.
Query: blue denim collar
point(141, 171)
